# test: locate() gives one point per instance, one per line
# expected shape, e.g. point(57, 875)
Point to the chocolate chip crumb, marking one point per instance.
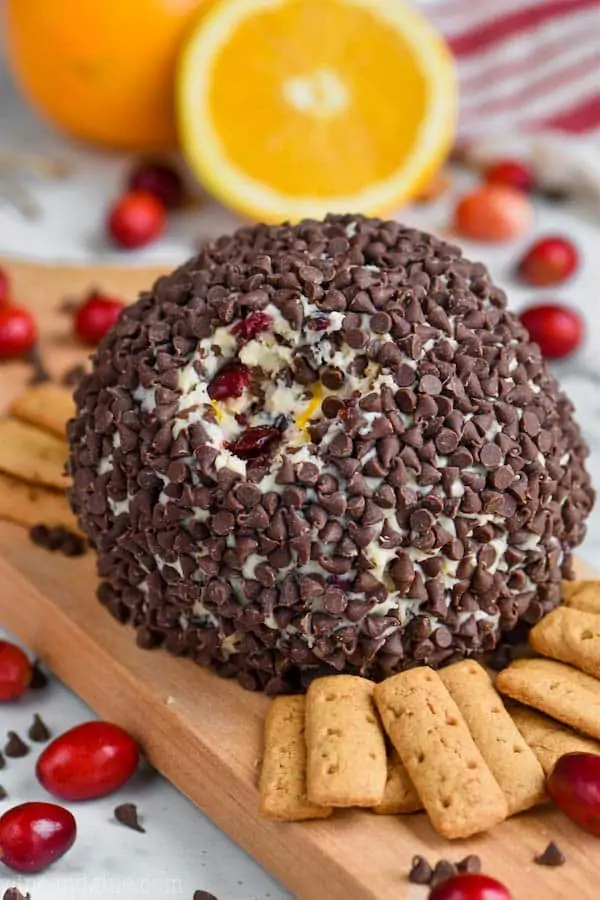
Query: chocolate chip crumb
point(2, 761)
point(38, 730)
point(552, 856)
point(127, 815)
point(3, 793)
point(14, 893)
point(15, 746)
point(204, 895)
point(420, 871)
point(443, 870)
point(59, 539)
point(39, 372)
point(470, 864)
point(39, 679)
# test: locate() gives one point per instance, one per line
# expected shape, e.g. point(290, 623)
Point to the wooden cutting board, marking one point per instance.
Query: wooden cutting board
point(204, 733)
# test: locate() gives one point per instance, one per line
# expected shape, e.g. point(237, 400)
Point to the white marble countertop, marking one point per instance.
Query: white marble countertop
point(182, 851)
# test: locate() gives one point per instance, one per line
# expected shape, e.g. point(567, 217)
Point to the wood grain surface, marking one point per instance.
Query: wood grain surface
point(204, 733)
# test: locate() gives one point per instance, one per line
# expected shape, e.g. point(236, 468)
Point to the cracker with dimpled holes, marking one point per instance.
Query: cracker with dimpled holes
point(28, 504)
point(347, 759)
point(548, 739)
point(556, 689)
point(283, 774)
point(32, 455)
point(400, 795)
point(584, 595)
point(455, 784)
point(512, 763)
point(571, 636)
point(47, 406)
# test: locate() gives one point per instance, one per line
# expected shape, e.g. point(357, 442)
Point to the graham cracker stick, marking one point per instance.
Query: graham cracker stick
point(584, 595)
point(47, 405)
point(32, 455)
point(400, 796)
point(347, 761)
point(283, 774)
point(558, 690)
point(571, 636)
point(28, 504)
point(548, 739)
point(511, 762)
point(458, 791)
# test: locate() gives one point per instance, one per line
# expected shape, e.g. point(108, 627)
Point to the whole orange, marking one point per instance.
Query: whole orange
point(103, 70)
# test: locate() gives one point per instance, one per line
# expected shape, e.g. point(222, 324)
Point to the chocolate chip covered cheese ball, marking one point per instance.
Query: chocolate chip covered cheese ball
point(326, 448)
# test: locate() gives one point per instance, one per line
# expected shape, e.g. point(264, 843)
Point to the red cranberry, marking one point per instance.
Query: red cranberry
point(512, 173)
point(548, 261)
point(18, 332)
point(88, 761)
point(34, 835)
point(557, 329)
point(15, 671)
point(470, 887)
point(574, 785)
point(159, 179)
point(248, 328)
point(136, 219)
point(229, 382)
point(4, 287)
point(96, 315)
point(255, 442)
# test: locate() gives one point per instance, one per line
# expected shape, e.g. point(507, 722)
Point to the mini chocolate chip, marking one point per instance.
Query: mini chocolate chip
point(204, 895)
point(38, 731)
point(490, 455)
point(552, 856)
point(2, 761)
point(470, 864)
point(381, 323)
point(430, 384)
point(420, 871)
point(39, 679)
point(15, 747)
point(443, 870)
point(127, 814)
point(13, 893)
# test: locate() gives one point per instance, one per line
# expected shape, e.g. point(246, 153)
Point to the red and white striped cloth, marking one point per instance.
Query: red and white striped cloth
point(524, 64)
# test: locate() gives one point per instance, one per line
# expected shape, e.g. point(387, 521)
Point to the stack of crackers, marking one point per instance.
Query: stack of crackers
point(33, 457)
point(442, 741)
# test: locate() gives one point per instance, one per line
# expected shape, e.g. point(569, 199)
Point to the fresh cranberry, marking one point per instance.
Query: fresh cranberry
point(493, 212)
point(229, 382)
point(4, 287)
point(574, 785)
point(548, 261)
point(136, 219)
point(34, 835)
point(88, 761)
point(159, 179)
point(255, 442)
point(557, 329)
point(18, 332)
point(247, 329)
point(511, 173)
point(96, 315)
point(15, 671)
point(470, 887)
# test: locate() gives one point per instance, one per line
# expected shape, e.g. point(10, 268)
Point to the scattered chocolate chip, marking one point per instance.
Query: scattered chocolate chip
point(15, 746)
point(39, 372)
point(127, 815)
point(13, 893)
point(38, 730)
point(58, 538)
point(39, 679)
point(2, 761)
point(443, 870)
point(204, 895)
point(420, 871)
point(552, 856)
point(470, 864)
point(3, 793)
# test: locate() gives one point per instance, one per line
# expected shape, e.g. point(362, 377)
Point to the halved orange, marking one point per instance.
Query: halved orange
point(295, 108)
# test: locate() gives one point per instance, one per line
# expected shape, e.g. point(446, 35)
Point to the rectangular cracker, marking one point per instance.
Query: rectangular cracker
point(556, 689)
point(347, 760)
point(511, 762)
point(548, 739)
point(456, 787)
point(28, 504)
point(283, 774)
point(47, 406)
point(571, 636)
point(32, 455)
point(584, 595)
point(400, 795)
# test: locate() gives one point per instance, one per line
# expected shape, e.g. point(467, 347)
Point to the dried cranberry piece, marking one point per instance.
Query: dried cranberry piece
point(255, 442)
point(252, 325)
point(229, 382)
point(319, 323)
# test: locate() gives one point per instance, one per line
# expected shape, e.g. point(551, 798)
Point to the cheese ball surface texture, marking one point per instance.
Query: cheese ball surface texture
point(326, 448)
